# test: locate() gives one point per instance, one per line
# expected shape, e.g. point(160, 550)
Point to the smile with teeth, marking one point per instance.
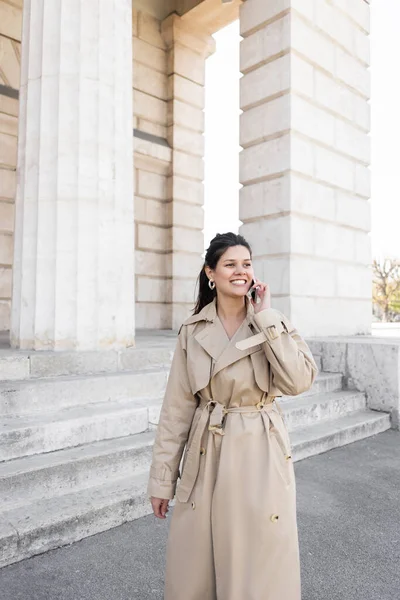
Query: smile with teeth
point(239, 282)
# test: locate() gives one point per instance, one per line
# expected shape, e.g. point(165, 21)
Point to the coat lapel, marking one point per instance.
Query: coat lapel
point(232, 354)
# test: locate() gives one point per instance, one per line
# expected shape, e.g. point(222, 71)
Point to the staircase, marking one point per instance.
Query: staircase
point(76, 433)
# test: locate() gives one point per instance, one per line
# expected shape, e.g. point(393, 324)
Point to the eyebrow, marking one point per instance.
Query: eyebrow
point(234, 259)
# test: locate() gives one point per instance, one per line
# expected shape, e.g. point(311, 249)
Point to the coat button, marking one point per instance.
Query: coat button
point(202, 451)
point(274, 518)
point(288, 456)
point(194, 505)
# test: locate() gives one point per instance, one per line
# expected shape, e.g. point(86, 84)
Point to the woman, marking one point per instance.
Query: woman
point(233, 533)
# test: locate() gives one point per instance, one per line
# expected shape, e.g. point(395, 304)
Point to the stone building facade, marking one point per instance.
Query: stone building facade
point(91, 235)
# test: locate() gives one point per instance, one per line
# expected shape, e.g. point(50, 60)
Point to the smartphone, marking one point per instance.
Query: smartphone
point(253, 291)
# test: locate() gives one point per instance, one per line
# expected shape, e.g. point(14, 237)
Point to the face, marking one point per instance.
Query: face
point(234, 272)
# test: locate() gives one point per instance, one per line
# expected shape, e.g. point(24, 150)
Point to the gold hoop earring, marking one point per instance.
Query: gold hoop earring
point(211, 284)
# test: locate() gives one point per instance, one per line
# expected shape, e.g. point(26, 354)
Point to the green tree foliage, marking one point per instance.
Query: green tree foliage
point(386, 287)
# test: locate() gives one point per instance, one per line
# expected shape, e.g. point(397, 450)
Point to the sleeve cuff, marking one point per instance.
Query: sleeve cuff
point(270, 321)
point(161, 489)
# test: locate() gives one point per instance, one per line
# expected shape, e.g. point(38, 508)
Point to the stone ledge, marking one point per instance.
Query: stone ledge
point(369, 364)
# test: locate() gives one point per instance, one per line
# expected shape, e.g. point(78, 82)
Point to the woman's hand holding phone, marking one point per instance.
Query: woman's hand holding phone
point(260, 295)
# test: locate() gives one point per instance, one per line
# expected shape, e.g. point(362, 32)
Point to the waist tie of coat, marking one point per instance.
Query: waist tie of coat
point(213, 415)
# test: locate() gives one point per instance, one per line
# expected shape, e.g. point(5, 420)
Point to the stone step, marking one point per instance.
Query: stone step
point(34, 478)
point(304, 410)
point(324, 436)
point(47, 524)
point(21, 365)
point(325, 382)
point(74, 426)
point(30, 396)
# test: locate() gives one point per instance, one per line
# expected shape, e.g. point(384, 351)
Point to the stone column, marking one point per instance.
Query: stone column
point(305, 158)
point(187, 50)
point(73, 274)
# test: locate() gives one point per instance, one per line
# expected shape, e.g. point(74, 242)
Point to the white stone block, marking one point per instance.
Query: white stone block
point(180, 88)
point(8, 124)
point(150, 108)
point(5, 282)
point(151, 211)
point(254, 13)
point(186, 63)
point(187, 165)
point(153, 238)
point(350, 140)
point(312, 277)
point(357, 10)
point(312, 121)
point(187, 190)
point(312, 44)
point(333, 241)
point(149, 81)
point(9, 106)
point(301, 76)
point(362, 248)
point(151, 185)
point(334, 23)
point(6, 217)
point(265, 120)
point(186, 264)
point(185, 115)
point(354, 281)
point(362, 46)
point(8, 181)
point(302, 152)
point(362, 113)
point(265, 198)
point(354, 74)
point(353, 211)
point(334, 168)
point(5, 313)
point(8, 150)
point(274, 271)
point(265, 43)
point(187, 215)
point(334, 95)
point(153, 316)
point(187, 240)
point(320, 317)
point(10, 21)
point(180, 313)
point(270, 79)
point(152, 289)
point(302, 235)
point(186, 140)
point(265, 159)
point(149, 30)
point(184, 290)
point(150, 55)
point(268, 236)
point(6, 249)
point(152, 263)
point(152, 128)
point(311, 198)
point(362, 181)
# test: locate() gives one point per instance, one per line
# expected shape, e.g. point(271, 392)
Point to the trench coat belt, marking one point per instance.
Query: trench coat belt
point(212, 414)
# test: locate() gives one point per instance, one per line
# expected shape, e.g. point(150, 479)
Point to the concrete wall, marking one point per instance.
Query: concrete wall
point(10, 46)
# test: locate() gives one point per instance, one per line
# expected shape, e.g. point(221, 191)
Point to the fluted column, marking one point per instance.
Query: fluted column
point(73, 282)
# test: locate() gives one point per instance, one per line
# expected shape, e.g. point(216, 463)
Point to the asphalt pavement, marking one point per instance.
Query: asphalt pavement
point(349, 524)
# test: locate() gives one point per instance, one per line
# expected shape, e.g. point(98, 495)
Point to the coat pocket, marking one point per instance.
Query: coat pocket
point(280, 446)
point(261, 369)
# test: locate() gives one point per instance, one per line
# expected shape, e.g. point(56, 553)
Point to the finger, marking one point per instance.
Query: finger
point(164, 507)
point(156, 504)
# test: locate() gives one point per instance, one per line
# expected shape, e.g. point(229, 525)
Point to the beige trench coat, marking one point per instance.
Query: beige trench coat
point(233, 532)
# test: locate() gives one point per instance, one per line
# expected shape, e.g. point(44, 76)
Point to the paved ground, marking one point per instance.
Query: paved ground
point(349, 523)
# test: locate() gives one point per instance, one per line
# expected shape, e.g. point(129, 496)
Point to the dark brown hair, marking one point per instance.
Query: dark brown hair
point(216, 249)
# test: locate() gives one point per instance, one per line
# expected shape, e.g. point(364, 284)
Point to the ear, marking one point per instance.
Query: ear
point(208, 272)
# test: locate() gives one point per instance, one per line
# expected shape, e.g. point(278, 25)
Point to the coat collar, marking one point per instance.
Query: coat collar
point(213, 338)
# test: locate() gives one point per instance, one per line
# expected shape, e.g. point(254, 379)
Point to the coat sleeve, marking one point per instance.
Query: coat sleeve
point(175, 421)
point(292, 364)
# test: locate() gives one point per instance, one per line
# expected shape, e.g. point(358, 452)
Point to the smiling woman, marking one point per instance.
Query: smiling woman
point(233, 534)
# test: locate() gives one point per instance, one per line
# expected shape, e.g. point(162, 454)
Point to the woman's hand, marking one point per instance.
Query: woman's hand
point(160, 507)
point(263, 295)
